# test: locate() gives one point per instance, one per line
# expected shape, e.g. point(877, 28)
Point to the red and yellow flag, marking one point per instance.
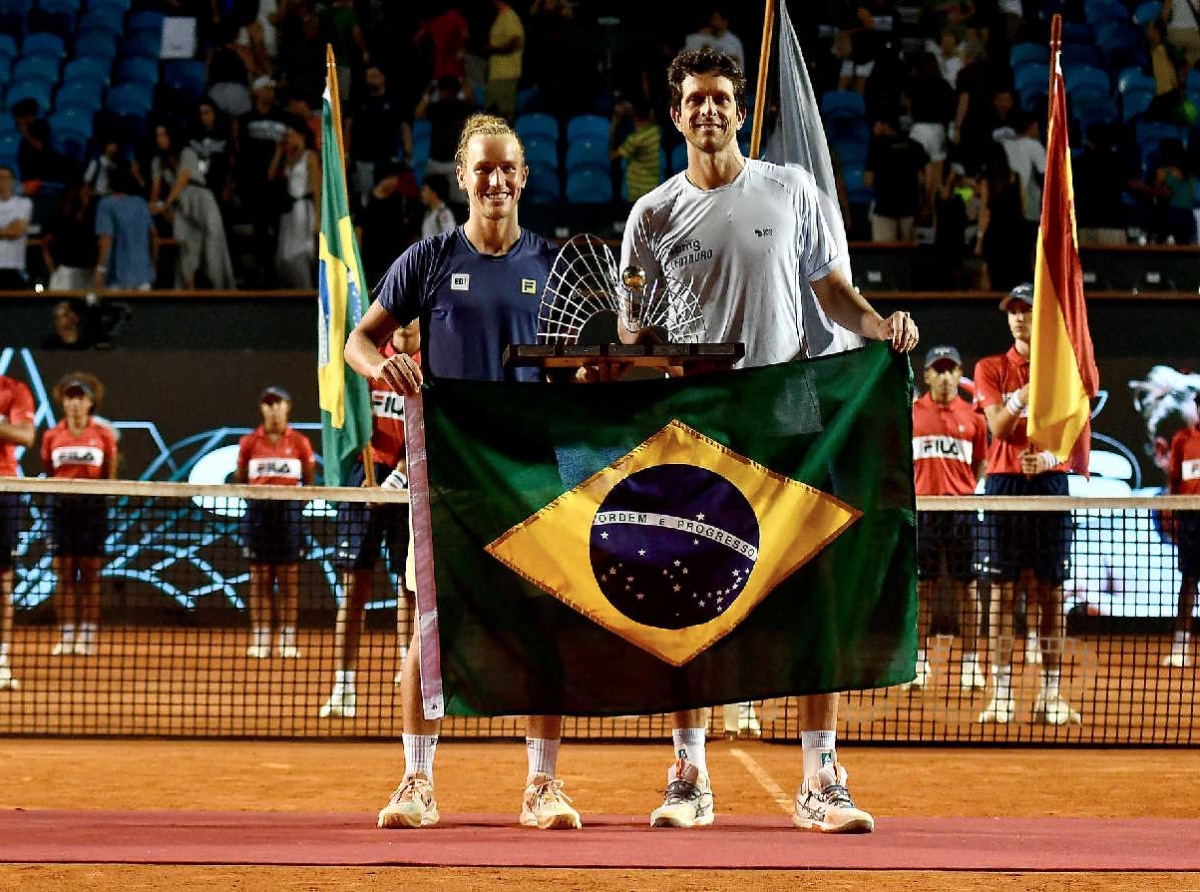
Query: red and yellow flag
point(1062, 373)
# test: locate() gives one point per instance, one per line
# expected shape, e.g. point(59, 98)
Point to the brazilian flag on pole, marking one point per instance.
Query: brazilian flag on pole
point(648, 546)
point(344, 396)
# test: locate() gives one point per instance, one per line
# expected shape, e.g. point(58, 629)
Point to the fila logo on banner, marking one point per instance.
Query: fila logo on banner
point(460, 282)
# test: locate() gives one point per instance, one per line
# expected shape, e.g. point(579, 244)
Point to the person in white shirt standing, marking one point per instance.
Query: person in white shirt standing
point(716, 35)
point(15, 213)
point(748, 235)
point(435, 190)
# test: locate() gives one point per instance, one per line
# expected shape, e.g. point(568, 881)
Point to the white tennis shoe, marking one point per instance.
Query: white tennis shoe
point(547, 807)
point(689, 798)
point(412, 805)
point(823, 803)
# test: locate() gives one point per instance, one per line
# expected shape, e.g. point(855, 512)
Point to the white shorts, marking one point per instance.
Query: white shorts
point(932, 138)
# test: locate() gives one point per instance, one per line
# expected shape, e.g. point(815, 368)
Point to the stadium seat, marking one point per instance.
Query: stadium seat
point(96, 44)
point(8, 46)
point(5, 69)
point(588, 185)
point(37, 90)
point(81, 95)
point(845, 104)
point(142, 43)
point(1028, 54)
point(70, 132)
point(582, 126)
point(679, 159)
point(852, 152)
point(1135, 100)
point(1135, 78)
point(146, 22)
point(1027, 76)
point(1093, 109)
point(55, 15)
point(541, 150)
point(537, 124)
point(527, 99)
point(10, 142)
point(1120, 46)
point(13, 15)
point(7, 124)
point(1086, 80)
point(856, 192)
point(36, 68)
point(137, 68)
point(87, 68)
point(102, 19)
point(43, 43)
point(1096, 11)
point(130, 100)
point(1145, 13)
point(184, 80)
point(1076, 32)
point(1080, 55)
point(543, 186)
point(587, 152)
point(421, 129)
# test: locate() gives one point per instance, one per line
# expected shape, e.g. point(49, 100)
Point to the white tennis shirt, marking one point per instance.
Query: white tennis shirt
point(747, 249)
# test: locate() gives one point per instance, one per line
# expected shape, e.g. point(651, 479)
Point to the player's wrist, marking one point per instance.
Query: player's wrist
point(1049, 459)
point(1015, 404)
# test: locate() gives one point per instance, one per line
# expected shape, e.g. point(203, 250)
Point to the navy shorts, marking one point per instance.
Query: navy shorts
point(363, 530)
point(10, 505)
point(273, 532)
point(1188, 540)
point(948, 536)
point(1037, 540)
point(78, 525)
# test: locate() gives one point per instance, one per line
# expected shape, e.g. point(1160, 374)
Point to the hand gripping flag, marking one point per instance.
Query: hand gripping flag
point(1062, 369)
point(344, 397)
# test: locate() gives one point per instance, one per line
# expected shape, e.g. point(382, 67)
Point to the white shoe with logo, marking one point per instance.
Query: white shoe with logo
point(546, 807)
point(1176, 659)
point(258, 651)
point(688, 801)
point(823, 803)
point(1055, 711)
point(411, 806)
point(288, 652)
point(1001, 710)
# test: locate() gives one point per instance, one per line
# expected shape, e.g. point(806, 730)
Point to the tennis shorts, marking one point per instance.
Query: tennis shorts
point(273, 532)
point(1188, 540)
point(949, 537)
point(78, 525)
point(364, 532)
point(1037, 540)
point(10, 504)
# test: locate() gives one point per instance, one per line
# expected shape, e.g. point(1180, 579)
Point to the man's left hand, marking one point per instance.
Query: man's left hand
point(900, 329)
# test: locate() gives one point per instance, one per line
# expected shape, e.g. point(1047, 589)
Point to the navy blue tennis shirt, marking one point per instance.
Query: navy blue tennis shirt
point(471, 305)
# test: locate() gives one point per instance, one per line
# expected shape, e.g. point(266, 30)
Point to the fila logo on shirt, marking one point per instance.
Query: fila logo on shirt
point(1191, 469)
point(529, 286)
point(387, 404)
point(942, 447)
point(275, 467)
point(91, 456)
point(460, 281)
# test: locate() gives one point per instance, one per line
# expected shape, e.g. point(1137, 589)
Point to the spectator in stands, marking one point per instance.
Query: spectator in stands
point(1100, 173)
point(1170, 74)
point(716, 34)
point(17, 429)
point(296, 165)
point(69, 241)
point(179, 194)
point(1183, 28)
point(953, 203)
point(228, 73)
point(374, 130)
point(97, 174)
point(303, 64)
point(1027, 159)
point(949, 54)
point(69, 332)
point(78, 448)
point(391, 219)
point(438, 216)
point(259, 133)
point(932, 108)
point(1174, 192)
point(448, 33)
point(973, 90)
point(640, 149)
point(349, 43)
point(365, 532)
point(127, 246)
point(40, 162)
point(1003, 236)
point(506, 48)
point(259, 38)
point(858, 43)
point(212, 141)
point(273, 533)
point(949, 457)
point(15, 213)
point(1031, 550)
point(895, 168)
point(446, 107)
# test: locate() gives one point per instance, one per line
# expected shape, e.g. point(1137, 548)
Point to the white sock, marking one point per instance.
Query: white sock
point(418, 754)
point(68, 633)
point(920, 655)
point(543, 757)
point(1180, 643)
point(287, 636)
point(4, 653)
point(87, 632)
point(1002, 679)
point(969, 659)
point(343, 679)
point(1050, 679)
point(689, 744)
point(262, 636)
point(820, 749)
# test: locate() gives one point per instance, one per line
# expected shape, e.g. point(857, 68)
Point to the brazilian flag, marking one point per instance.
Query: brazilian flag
point(657, 545)
point(344, 396)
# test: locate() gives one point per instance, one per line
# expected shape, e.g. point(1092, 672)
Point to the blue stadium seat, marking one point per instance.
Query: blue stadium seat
point(540, 150)
point(856, 192)
point(421, 129)
point(142, 43)
point(1144, 13)
point(1080, 55)
point(8, 46)
point(1094, 109)
point(420, 153)
point(1028, 54)
point(36, 68)
point(148, 22)
point(70, 132)
point(86, 68)
point(1096, 11)
point(527, 98)
point(10, 143)
point(1133, 76)
point(1076, 32)
point(102, 18)
point(536, 124)
point(679, 158)
point(1086, 80)
point(582, 126)
point(1135, 100)
point(80, 94)
point(1033, 99)
point(37, 90)
point(131, 100)
point(6, 65)
point(13, 15)
point(1120, 46)
point(7, 124)
point(184, 80)
point(55, 15)
point(543, 186)
point(587, 185)
point(96, 44)
point(1028, 76)
point(44, 43)
point(843, 104)
point(137, 68)
point(587, 152)
point(852, 153)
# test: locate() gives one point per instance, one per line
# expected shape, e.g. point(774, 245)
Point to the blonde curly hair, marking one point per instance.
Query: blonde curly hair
point(484, 125)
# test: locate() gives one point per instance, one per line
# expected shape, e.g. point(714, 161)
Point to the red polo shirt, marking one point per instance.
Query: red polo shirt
point(281, 463)
point(948, 441)
point(996, 379)
point(16, 407)
point(85, 457)
point(1184, 467)
point(387, 407)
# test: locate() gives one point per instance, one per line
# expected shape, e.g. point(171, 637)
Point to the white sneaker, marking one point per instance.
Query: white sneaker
point(972, 676)
point(740, 720)
point(547, 807)
point(342, 703)
point(1033, 650)
point(1055, 711)
point(7, 682)
point(689, 798)
point(258, 651)
point(412, 805)
point(84, 648)
point(1176, 659)
point(63, 648)
point(1000, 710)
point(288, 651)
point(823, 803)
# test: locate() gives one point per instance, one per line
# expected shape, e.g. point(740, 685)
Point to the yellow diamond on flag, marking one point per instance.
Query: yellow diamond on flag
point(675, 543)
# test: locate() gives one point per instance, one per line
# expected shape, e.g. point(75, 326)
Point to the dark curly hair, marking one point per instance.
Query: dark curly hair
point(94, 384)
point(705, 61)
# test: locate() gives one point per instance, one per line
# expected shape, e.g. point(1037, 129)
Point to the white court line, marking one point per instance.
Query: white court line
point(776, 792)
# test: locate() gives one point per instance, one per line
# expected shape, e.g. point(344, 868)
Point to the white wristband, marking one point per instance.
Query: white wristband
point(1015, 405)
point(1049, 458)
point(395, 480)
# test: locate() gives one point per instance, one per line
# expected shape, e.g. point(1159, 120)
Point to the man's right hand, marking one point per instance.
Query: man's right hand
point(401, 373)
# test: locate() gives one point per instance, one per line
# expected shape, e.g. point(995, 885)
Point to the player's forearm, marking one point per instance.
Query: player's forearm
point(849, 309)
point(361, 355)
point(21, 434)
point(1002, 420)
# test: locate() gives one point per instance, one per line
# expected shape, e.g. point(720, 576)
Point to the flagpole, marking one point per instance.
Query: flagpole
point(1055, 48)
point(335, 104)
point(760, 89)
